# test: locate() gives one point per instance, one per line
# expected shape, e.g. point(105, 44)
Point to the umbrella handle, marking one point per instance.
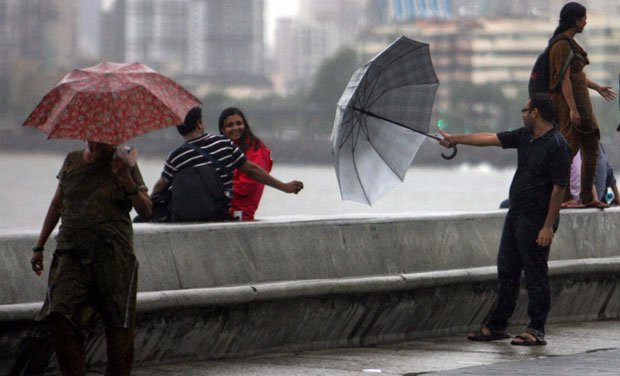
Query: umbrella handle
point(448, 157)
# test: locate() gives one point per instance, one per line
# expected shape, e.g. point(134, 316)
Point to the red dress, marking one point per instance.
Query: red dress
point(246, 191)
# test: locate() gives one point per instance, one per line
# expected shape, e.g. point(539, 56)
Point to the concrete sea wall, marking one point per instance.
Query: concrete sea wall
point(235, 289)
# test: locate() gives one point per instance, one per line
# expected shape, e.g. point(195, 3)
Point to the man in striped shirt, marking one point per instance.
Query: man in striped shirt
point(221, 149)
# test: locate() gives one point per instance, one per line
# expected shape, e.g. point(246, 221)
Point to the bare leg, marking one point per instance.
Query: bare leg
point(574, 145)
point(69, 345)
point(120, 351)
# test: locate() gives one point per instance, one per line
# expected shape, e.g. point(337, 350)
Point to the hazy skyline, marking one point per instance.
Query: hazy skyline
point(275, 9)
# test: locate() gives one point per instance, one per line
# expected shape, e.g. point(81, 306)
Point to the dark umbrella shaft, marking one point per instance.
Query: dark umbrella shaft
point(371, 114)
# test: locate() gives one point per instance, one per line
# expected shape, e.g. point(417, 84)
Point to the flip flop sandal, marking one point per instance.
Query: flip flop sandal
point(528, 341)
point(481, 337)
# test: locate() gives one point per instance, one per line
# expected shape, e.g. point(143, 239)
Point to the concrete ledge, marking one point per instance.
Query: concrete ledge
point(320, 283)
point(177, 257)
point(173, 300)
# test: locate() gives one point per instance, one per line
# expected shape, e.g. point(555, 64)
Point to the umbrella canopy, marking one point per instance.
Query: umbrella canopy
point(111, 103)
point(382, 119)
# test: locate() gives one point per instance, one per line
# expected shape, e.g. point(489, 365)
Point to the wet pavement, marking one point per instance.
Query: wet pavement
point(591, 348)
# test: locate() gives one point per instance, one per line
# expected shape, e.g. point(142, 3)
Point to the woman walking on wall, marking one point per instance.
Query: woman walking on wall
point(574, 115)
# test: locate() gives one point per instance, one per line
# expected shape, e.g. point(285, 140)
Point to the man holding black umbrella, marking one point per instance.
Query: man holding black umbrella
point(536, 194)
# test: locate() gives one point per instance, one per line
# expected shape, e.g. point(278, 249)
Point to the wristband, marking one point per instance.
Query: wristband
point(37, 249)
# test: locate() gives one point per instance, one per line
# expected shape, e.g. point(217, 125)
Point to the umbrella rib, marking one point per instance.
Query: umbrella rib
point(376, 79)
point(374, 85)
point(384, 160)
point(56, 114)
point(388, 63)
point(347, 133)
point(364, 129)
point(398, 57)
point(353, 145)
point(371, 114)
point(398, 87)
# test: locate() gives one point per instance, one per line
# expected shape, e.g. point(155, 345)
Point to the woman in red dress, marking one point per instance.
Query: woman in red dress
point(246, 191)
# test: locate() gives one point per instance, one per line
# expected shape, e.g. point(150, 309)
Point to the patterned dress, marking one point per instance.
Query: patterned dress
point(94, 265)
point(586, 136)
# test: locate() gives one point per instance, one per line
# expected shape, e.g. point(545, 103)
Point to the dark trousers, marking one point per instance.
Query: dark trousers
point(518, 252)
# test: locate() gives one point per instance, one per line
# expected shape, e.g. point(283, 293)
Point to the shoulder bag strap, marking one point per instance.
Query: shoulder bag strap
point(566, 64)
point(209, 157)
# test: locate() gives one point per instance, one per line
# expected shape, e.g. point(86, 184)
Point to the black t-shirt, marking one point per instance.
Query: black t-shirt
point(542, 163)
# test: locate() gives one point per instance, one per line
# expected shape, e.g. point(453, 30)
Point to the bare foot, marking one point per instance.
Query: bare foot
point(572, 204)
point(596, 204)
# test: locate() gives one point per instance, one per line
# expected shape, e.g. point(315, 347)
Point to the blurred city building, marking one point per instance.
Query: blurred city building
point(300, 47)
point(482, 42)
point(7, 50)
point(88, 29)
point(37, 38)
point(322, 27)
point(392, 11)
point(38, 30)
point(303, 42)
point(112, 33)
point(478, 51)
point(213, 44)
point(218, 45)
point(395, 11)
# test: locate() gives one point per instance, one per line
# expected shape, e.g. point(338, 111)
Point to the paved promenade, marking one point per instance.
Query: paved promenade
point(574, 349)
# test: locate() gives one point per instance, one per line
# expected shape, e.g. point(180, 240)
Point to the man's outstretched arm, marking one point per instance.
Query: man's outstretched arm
point(474, 139)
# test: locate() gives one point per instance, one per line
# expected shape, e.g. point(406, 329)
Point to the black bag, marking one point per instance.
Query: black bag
point(161, 206)
point(161, 211)
point(197, 195)
point(539, 78)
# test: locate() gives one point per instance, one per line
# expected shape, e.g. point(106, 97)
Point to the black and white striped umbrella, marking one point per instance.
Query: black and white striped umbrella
point(382, 119)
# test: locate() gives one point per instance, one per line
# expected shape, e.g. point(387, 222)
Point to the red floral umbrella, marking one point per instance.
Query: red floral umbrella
point(111, 103)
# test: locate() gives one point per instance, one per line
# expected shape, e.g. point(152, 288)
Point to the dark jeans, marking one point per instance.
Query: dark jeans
point(518, 252)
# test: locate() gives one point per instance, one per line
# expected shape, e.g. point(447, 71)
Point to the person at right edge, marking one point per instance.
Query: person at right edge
point(536, 194)
point(573, 108)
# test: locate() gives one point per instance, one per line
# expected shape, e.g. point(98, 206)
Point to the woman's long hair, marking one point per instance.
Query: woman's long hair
point(570, 13)
point(248, 139)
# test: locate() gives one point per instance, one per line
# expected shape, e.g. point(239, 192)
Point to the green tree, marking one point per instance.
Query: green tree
point(482, 108)
point(606, 114)
point(330, 81)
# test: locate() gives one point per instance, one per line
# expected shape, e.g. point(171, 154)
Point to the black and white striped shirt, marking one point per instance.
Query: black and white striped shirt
point(219, 147)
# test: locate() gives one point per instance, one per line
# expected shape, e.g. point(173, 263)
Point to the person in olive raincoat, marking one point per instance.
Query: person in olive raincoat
point(94, 264)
